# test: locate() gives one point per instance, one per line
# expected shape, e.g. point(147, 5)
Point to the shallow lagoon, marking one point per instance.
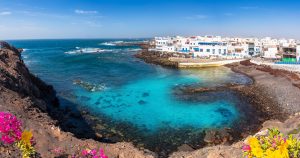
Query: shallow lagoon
point(149, 103)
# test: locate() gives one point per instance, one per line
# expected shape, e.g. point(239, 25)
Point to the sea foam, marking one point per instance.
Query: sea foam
point(88, 50)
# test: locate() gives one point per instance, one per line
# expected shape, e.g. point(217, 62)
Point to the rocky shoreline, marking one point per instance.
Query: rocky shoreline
point(156, 58)
point(36, 104)
point(273, 95)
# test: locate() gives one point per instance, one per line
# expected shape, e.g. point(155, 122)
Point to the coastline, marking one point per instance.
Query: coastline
point(37, 107)
point(35, 103)
point(180, 61)
point(273, 94)
point(265, 97)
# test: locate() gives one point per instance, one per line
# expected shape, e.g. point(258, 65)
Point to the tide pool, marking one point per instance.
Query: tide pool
point(149, 103)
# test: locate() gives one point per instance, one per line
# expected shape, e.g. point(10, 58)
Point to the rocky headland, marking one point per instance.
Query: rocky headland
point(35, 103)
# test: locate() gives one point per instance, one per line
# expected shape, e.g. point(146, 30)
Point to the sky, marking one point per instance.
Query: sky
point(53, 19)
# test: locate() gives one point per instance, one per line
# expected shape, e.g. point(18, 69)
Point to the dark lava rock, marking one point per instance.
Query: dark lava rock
point(215, 137)
point(156, 58)
point(185, 147)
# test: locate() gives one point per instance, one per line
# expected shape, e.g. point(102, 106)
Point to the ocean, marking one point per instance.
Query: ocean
point(136, 101)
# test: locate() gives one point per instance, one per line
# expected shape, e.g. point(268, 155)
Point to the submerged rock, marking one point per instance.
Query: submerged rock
point(224, 112)
point(145, 94)
point(142, 102)
point(89, 86)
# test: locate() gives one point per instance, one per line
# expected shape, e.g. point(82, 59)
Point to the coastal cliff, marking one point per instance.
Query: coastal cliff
point(35, 103)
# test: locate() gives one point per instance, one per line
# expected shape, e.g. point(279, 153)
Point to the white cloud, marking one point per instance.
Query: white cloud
point(199, 16)
point(78, 11)
point(5, 13)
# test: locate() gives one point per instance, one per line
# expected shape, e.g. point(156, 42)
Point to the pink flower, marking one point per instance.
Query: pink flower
point(246, 148)
point(274, 145)
point(93, 152)
point(102, 155)
point(10, 128)
point(84, 152)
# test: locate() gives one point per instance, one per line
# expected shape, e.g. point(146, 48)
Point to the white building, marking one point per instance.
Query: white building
point(216, 46)
point(270, 52)
point(164, 44)
point(298, 53)
point(208, 49)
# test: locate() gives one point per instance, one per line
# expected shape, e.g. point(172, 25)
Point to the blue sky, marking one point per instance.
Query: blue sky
point(27, 19)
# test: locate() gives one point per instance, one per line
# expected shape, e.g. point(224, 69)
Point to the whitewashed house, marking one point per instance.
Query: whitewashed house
point(237, 50)
point(164, 44)
point(216, 46)
point(270, 52)
point(298, 53)
point(208, 49)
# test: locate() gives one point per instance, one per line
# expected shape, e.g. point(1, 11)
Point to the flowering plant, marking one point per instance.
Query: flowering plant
point(10, 128)
point(94, 153)
point(11, 133)
point(26, 144)
point(273, 145)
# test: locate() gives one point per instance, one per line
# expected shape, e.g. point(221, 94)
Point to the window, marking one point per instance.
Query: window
point(225, 51)
point(201, 50)
point(213, 51)
point(207, 50)
point(220, 51)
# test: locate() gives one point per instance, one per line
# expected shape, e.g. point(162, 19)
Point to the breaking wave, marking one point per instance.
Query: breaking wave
point(79, 50)
point(112, 43)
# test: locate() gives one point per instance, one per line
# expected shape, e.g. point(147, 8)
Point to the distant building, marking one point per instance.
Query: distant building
point(298, 53)
point(270, 52)
point(216, 46)
point(209, 49)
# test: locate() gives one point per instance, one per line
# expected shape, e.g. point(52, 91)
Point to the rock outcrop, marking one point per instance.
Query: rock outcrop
point(290, 126)
point(156, 58)
point(16, 77)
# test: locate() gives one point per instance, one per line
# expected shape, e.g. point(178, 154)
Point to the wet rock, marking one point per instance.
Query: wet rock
point(185, 147)
point(89, 86)
point(215, 137)
point(156, 58)
point(98, 135)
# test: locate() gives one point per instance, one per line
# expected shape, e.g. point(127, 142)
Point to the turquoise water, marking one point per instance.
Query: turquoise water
point(149, 103)
point(118, 88)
